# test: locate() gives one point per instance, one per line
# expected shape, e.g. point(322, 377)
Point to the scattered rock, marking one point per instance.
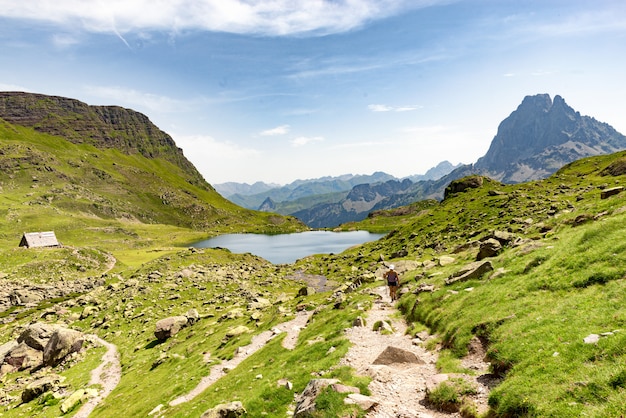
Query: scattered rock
point(394, 355)
point(40, 386)
point(63, 342)
point(364, 402)
point(591, 339)
point(168, 327)
point(472, 271)
point(230, 410)
point(489, 248)
point(37, 335)
point(237, 331)
point(305, 405)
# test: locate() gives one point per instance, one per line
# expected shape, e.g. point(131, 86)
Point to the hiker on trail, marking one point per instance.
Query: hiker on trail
point(393, 281)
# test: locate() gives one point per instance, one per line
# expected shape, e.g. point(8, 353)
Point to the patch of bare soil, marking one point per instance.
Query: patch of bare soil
point(400, 388)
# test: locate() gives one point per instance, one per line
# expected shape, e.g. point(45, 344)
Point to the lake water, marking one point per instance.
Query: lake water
point(287, 248)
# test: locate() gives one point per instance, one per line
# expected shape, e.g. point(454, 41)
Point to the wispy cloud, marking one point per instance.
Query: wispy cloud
point(274, 18)
point(13, 87)
point(134, 98)
point(304, 140)
point(387, 108)
point(279, 130)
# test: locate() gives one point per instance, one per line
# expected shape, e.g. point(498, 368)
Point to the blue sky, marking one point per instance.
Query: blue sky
point(280, 90)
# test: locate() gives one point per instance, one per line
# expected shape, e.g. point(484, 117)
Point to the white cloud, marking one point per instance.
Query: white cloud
point(217, 161)
point(386, 108)
point(304, 140)
point(136, 99)
point(279, 130)
point(379, 108)
point(13, 87)
point(277, 17)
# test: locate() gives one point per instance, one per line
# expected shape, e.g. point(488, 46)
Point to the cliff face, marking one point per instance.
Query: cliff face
point(543, 135)
point(104, 127)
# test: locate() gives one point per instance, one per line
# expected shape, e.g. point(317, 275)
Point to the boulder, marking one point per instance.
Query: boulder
point(230, 410)
point(472, 271)
point(72, 401)
point(444, 260)
point(192, 316)
point(461, 185)
point(305, 405)
point(393, 355)
point(488, 248)
point(259, 303)
point(364, 402)
point(6, 349)
point(38, 387)
point(606, 193)
point(23, 357)
point(168, 327)
point(237, 331)
point(37, 335)
point(64, 341)
point(339, 388)
point(306, 291)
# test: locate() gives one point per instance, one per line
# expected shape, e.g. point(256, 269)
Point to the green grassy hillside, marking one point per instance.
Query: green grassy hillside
point(104, 198)
point(558, 278)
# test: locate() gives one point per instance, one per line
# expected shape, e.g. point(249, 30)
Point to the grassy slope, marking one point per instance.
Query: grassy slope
point(561, 284)
point(103, 198)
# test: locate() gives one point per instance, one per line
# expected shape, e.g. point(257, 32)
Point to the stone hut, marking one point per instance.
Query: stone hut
point(39, 239)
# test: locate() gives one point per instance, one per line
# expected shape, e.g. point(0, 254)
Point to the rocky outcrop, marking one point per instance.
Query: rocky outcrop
point(14, 293)
point(129, 131)
point(39, 345)
point(541, 136)
point(461, 185)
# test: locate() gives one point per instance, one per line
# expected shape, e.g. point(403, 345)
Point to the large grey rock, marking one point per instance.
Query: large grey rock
point(6, 349)
point(471, 271)
point(488, 248)
point(305, 406)
point(230, 410)
point(37, 335)
point(394, 355)
point(364, 402)
point(40, 386)
point(23, 357)
point(168, 327)
point(63, 342)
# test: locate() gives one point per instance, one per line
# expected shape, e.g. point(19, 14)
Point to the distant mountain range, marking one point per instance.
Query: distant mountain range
point(538, 138)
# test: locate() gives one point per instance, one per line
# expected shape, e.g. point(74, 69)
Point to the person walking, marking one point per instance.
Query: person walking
point(393, 281)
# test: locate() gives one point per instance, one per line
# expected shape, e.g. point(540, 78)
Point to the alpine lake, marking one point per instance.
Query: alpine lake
point(287, 248)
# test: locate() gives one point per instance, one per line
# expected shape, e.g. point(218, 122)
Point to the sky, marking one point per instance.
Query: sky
point(281, 90)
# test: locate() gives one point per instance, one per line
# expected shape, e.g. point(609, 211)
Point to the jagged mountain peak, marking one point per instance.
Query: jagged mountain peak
point(541, 136)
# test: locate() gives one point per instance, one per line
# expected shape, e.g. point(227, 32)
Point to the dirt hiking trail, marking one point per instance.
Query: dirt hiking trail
point(400, 389)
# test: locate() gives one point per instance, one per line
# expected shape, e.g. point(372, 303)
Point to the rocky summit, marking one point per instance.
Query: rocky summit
point(541, 136)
